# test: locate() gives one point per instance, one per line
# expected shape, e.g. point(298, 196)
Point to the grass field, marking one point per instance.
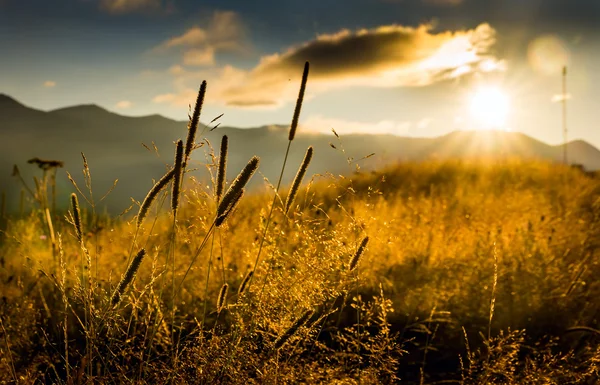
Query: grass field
point(476, 273)
point(435, 272)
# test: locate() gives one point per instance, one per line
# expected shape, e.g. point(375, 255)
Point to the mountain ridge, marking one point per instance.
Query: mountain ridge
point(117, 146)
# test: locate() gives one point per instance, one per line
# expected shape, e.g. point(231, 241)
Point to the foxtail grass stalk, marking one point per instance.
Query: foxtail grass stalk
point(194, 122)
point(244, 283)
point(76, 217)
point(298, 180)
point(222, 170)
point(356, 257)
point(128, 277)
point(223, 217)
point(222, 300)
point(177, 177)
point(152, 194)
point(296, 116)
point(237, 186)
point(291, 136)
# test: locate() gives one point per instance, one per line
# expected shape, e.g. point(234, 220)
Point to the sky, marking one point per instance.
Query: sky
point(405, 67)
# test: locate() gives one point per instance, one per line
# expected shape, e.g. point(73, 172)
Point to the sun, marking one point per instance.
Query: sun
point(489, 108)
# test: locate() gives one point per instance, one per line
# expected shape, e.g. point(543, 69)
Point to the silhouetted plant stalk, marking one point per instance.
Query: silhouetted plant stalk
point(298, 107)
point(223, 217)
point(175, 193)
point(222, 168)
point(244, 283)
point(298, 180)
point(152, 194)
point(177, 177)
point(237, 186)
point(291, 136)
point(128, 277)
point(230, 200)
point(193, 124)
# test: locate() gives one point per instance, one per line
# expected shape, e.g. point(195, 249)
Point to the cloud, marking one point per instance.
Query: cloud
point(387, 56)
point(322, 125)
point(225, 32)
point(192, 37)
point(124, 104)
point(199, 56)
point(129, 6)
point(49, 83)
point(383, 57)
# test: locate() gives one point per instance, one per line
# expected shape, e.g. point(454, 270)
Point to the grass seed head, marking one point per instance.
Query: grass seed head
point(152, 194)
point(233, 193)
point(299, 103)
point(128, 277)
point(361, 249)
point(223, 217)
point(222, 167)
point(222, 300)
point(298, 179)
point(245, 282)
point(76, 217)
point(194, 122)
point(177, 176)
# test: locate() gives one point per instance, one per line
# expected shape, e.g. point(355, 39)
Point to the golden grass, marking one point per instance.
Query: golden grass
point(433, 229)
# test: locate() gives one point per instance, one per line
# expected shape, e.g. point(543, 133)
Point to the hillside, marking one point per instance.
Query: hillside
point(113, 146)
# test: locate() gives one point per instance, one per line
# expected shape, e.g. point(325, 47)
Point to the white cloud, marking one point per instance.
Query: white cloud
point(49, 83)
point(124, 104)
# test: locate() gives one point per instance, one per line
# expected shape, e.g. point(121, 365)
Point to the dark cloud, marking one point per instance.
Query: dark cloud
point(386, 56)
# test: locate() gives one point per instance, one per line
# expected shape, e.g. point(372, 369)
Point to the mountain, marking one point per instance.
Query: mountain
point(114, 147)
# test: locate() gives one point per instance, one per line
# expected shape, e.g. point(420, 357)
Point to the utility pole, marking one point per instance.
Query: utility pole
point(564, 103)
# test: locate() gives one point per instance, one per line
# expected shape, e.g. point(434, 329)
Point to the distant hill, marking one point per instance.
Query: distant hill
point(113, 146)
